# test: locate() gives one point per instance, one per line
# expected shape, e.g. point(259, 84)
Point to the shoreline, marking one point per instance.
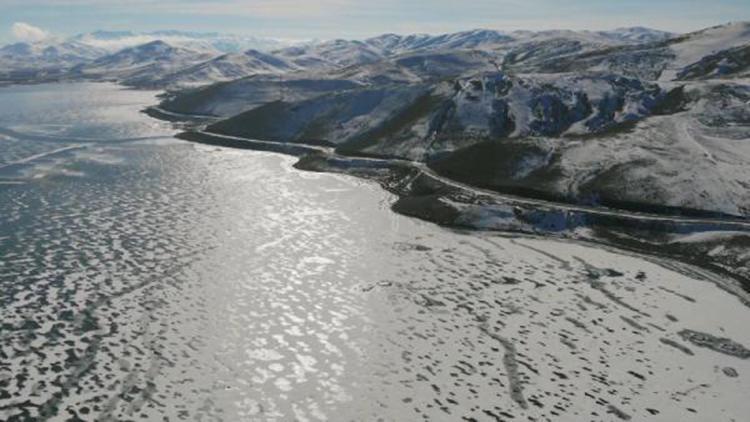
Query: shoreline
point(544, 313)
point(424, 194)
point(434, 198)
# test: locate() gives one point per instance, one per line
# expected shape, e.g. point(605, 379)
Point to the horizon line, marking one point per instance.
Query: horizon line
point(178, 32)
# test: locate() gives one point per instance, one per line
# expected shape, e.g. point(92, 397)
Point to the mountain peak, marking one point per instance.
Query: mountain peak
point(154, 47)
point(156, 43)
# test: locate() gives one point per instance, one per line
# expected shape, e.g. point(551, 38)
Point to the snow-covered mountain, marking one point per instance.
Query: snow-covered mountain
point(112, 55)
point(628, 118)
point(142, 64)
point(419, 59)
point(330, 54)
point(417, 67)
point(637, 35)
point(392, 44)
point(611, 117)
point(226, 99)
point(47, 55)
point(664, 60)
point(732, 62)
point(443, 116)
point(601, 139)
point(227, 57)
point(691, 49)
point(688, 153)
point(227, 67)
point(112, 41)
point(484, 39)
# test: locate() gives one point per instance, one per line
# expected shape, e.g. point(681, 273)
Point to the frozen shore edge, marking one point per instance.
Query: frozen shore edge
point(422, 195)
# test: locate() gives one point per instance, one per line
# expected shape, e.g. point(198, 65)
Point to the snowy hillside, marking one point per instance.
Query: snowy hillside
point(570, 116)
point(113, 41)
point(692, 48)
point(392, 44)
point(47, 55)
point(226, 68)
point(424, 120)
point(226, 99)
point(636, 35)
point(142, 64)
point(229, 57)
point(604, 117)
point(691, 153)
point(665, 60)
point(331, 54)
point(593, 139)
point(53, 58)
point(394, 58)
point(232, 97)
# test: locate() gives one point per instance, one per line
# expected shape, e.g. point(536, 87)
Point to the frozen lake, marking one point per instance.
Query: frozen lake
point(146, 278)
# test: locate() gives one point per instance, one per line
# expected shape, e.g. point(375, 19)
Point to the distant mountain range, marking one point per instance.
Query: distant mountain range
point(141, 62)
point(597, 118)
point(113, 41)
point(632, 118)
point(54, 58)
point(197, 58)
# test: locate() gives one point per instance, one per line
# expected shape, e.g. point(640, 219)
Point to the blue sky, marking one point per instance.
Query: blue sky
point(295, 19)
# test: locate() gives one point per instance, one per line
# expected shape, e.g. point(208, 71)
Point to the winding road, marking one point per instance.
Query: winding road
point(724, 224)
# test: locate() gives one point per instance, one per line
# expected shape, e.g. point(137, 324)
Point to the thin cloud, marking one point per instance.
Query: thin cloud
point(284, 9)
point(250, 8)
point(360, 18)
point(28, 33)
